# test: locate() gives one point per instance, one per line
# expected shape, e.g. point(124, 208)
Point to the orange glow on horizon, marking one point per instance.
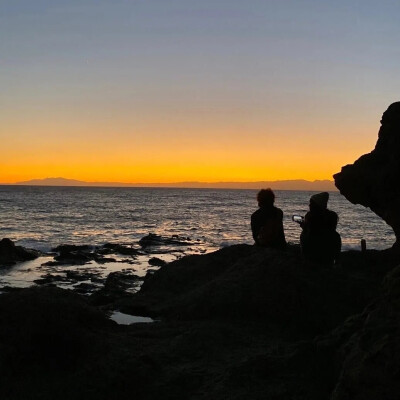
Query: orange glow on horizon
point(152, 92)
point(161, 153)
point(219, 167)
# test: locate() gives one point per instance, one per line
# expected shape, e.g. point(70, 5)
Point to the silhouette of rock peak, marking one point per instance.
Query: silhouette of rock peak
point(373, 180)
point(392, 114)
point(389, 134)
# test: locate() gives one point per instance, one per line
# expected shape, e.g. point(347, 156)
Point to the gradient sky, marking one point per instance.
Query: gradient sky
point(164, 91)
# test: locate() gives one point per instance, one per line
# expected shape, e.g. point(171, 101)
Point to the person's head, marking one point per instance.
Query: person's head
point(319, 201)
point(265, 197)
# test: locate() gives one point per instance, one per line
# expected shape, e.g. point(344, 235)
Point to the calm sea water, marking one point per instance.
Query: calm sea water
point(44, 217)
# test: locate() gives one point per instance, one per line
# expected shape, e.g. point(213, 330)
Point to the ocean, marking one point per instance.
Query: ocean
point(190, 221)
point(44, 217)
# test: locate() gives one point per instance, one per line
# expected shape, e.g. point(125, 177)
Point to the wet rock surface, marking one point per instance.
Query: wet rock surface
point(241, 323)
point(84, 268)
point(155, 261)
point(373, 180)
point(117, 286)
point(157, 240)
point(11, 254)
point(110, 248)
point(80, 255)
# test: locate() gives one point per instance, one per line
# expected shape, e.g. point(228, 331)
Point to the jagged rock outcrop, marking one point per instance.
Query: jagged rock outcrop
point(373, 180)
point(11, 254)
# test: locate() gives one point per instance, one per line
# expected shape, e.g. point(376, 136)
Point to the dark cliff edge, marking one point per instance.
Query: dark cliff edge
point(240, 323)
point(373, 180)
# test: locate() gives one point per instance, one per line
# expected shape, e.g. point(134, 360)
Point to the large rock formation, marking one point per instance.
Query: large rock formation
point(373, 180)
point(244, 322)
point(11, 254)
point(245, 283)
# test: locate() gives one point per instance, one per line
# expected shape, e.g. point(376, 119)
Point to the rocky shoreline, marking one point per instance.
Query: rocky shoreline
point(85, 268)
point(243, 322)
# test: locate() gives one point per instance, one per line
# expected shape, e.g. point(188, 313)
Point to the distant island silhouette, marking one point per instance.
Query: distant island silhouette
point(295, 184)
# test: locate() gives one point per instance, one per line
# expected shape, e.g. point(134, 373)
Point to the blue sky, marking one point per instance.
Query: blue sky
point(263, 67)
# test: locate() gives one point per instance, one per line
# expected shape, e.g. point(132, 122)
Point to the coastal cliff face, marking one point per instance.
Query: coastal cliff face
point(373, 180)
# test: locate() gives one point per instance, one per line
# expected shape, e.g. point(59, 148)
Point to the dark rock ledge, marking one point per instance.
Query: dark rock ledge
point(240, 323)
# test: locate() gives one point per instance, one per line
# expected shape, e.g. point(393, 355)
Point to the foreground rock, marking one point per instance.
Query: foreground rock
point(373, 180)
point(241, 323)
point(10, 254)
point(45, 327)
point(253, 284)
point(370, 358)
point(116, 286)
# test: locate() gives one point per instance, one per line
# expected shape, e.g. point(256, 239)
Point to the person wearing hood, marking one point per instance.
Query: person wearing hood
point(320, 242)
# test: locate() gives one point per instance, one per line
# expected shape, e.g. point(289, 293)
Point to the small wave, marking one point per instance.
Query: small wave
point(227, 243)
point(221, 218)
point(42, 246)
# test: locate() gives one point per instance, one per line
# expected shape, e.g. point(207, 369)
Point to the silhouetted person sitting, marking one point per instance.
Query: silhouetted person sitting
point(267, 222)
point(320, 243)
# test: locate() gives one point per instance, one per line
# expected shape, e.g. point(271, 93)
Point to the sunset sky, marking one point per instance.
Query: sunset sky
point(183, 90)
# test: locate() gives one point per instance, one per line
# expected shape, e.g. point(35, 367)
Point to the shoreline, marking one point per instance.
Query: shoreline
point(85, 268)
point(223, 318)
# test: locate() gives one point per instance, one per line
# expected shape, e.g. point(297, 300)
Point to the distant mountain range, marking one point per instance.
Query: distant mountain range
point(297, 184)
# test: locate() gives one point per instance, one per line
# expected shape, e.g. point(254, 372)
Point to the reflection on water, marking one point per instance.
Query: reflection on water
point(28, 273)
point(22, 274)
point(126, 319)
point(43, 217)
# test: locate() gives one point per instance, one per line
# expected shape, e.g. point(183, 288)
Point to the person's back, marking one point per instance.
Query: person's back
point(319, 240)
point(320, 220)
point(267, 222)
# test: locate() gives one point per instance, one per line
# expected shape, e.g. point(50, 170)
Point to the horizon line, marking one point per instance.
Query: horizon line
point(287, 184)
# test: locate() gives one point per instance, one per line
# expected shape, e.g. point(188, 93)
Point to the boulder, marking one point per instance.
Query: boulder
point(157, 262)
point(11, 254)
point(116, 286)
point(251, 283)
point(113, 248)
point(156, 240)
point(373, 180)
point(45, 327)
point(73, 255)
